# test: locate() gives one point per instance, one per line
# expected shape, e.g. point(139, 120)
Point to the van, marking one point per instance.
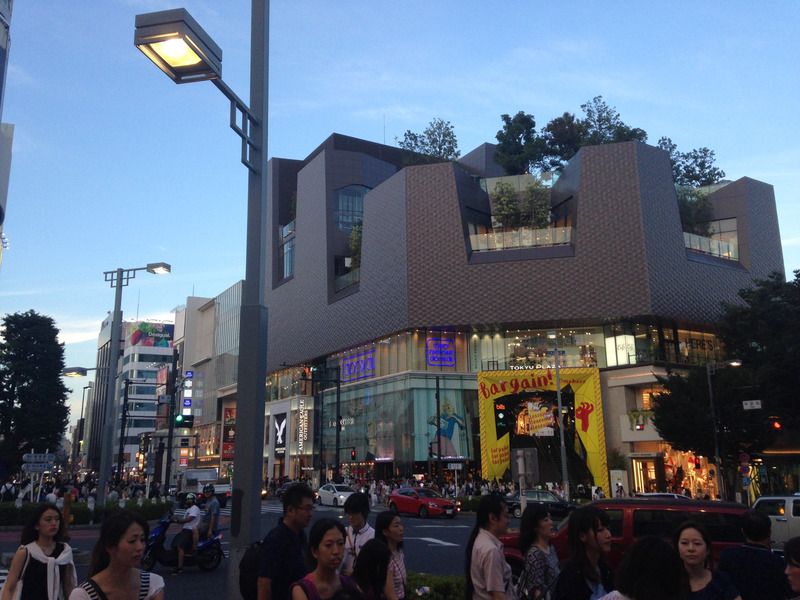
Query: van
point(632, 518)
point(784, 512)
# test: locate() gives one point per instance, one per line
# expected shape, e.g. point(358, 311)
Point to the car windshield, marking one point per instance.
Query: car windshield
point(344, 488)
point(429, 493)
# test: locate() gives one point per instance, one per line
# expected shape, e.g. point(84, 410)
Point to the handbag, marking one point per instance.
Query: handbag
point(18, 590)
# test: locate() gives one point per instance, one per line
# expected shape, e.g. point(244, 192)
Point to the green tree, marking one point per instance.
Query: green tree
point(438, 141)
point(695, 210)
point(603, 125)
point(692, 169)
point(33, 411)
point(355, 247)
point(563, 137)
point(519, 148)
point(505, 205)
point(535, 206)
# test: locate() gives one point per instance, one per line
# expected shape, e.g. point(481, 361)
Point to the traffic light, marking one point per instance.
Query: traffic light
point(353, 454)
point(776, 425)
point(184, 421)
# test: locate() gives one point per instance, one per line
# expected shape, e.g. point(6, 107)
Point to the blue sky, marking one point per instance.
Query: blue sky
point(116, 166)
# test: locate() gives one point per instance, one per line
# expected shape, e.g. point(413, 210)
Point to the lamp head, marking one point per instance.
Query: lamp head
point(177, 44)
point(75, 372)
point(159, 268)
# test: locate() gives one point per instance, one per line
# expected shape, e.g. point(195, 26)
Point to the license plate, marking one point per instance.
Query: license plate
point(449, 511)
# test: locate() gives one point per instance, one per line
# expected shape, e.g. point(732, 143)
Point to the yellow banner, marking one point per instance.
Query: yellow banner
point(501, 393)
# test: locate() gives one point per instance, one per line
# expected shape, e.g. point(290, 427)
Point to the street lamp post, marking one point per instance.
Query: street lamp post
point(199, 58)
point(564, 476)
point(711, 369)
point(117, 279)
point(81, 426)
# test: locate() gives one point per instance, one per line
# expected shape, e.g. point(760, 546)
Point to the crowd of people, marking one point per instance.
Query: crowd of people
point(54, 490)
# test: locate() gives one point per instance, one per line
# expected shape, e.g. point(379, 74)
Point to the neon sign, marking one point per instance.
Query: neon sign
point(440, 352)
point(359, 366)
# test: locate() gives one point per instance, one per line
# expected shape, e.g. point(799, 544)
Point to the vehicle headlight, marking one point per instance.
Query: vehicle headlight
point(433, 504)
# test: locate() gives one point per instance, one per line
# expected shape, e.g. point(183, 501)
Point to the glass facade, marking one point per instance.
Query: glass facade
point(349, 206)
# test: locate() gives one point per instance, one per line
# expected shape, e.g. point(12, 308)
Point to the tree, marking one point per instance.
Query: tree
point(355, 247)
point(505, 204)
point(519, 148)
point(563, 137)
point(603, 125)
point(692, 169)
point(695, 210)
point(437, 141)
point(535, 206)
point(33, 411)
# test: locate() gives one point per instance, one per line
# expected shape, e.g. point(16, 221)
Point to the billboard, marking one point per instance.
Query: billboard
point(143, 333)
point(515, 405)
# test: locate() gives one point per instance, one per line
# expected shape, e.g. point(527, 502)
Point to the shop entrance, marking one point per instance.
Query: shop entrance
point(648, 474)
point(278, 467)
point(384, 470)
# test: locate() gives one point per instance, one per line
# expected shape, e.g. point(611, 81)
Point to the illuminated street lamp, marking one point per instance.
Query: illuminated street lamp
point(711, 369)
point(564, 476)
point(176, 28)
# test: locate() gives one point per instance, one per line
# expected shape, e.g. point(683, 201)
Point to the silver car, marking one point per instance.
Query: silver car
point(334, 494)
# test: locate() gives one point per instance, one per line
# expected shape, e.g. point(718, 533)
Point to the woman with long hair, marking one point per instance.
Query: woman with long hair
point(114, 572)
point(694, 547)
point(43, 562)
point(586, 576)
point(651, 570)
point(324, 555)
point(372, 572)
point(487, 572)
point(389, 530)
point(541, 562)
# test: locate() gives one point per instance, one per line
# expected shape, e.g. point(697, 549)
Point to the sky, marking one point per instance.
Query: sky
point(115, 166)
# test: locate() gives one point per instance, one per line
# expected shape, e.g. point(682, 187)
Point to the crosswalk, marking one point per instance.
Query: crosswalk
point(3, 576)
point(268, 508)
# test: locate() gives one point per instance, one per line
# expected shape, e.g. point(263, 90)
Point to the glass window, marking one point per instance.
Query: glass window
point(657, 522)
point(349, 206)
point(615, 526)
point(287, 257)
point(722, 527)
point(771, 508)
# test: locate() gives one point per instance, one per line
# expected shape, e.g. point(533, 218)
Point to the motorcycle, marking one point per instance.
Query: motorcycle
point(209, 551)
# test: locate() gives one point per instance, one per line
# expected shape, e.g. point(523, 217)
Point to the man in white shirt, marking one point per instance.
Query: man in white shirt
point(356, 509)
point(184, 540)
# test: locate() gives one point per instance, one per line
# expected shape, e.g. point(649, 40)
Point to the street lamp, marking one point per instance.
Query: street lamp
point(252, 129)
point(117, 279)
point(711, 369)
point(564, 476)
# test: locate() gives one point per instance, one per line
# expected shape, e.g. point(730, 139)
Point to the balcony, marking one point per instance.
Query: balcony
point(523, 237)
point(711, 246)
point(346, 280)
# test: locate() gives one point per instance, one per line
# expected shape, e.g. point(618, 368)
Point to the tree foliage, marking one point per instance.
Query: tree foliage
point(505, 204)
point(33, 413)
point(763, 332)
point(519, 148)
point(535, 206)
point(695, 210)
point(355, 247)
point(438, 141)
point(692, 169)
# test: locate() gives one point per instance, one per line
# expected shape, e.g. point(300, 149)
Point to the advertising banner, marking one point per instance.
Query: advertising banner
point(150, 334)
point(521, 403)
point(279, 429)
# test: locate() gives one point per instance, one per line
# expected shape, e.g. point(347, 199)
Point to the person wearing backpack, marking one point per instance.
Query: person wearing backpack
point(7, 491)
point(282, 554)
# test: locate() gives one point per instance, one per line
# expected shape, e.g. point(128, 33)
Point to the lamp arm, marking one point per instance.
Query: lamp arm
point(248, 120)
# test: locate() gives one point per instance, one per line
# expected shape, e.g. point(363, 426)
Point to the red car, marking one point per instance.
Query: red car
point(632, 518)
point(421, 501)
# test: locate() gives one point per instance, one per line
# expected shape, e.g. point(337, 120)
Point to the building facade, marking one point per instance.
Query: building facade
point(429, 291)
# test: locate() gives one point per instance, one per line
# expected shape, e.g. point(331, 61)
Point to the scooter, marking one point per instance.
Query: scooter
point(209, 551)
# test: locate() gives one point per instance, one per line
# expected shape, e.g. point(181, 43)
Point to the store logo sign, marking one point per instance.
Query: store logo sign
point(440, 353)
point(359, 366)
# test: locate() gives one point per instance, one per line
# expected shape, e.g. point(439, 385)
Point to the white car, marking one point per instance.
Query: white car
point(334, 494)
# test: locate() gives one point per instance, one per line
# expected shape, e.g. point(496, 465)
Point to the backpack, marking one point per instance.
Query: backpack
point(8, 493)
point(248, 571)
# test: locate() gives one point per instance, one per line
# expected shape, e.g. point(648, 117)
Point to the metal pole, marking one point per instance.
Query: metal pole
point(438, 434)
point(110, 413)
point(338, 423)
point(173, 392)
point(564, 474)
point(252, 367)
point(717, 462)
point(120, 459)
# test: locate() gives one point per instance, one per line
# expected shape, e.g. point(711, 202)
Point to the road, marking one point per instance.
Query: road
point(431, 546)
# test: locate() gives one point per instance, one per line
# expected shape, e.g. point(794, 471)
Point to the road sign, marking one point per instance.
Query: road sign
point(744, 469)
point(38, 458)
point(455, 466)
point(751, 404)
point(37, 467)
point(744, 457)
point(746, 481)
point(189, 374)
point(183, 462)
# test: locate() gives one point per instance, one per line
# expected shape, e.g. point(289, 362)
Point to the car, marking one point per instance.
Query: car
point(661, 495)
point(633, 518)
point(282, 490)
point(558, 508)
point(784, 512)
point(334, 494)
point(422, 501)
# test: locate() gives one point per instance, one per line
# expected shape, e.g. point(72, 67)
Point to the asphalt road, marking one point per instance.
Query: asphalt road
point(434, 545)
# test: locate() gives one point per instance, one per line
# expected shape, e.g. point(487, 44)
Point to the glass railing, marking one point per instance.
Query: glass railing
point(711, 246)
point(346, 280)
point(287, 230)
point(524, 237)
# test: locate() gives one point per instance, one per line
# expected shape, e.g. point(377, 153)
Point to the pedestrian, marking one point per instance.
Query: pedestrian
point(184, 541)
point(114, 567)
point(324, 554)
point(541, 562)
point(42, 564)
point(586, 576)
point(487, 572)
point(694, 546)
point(281, 561)
point(756, 572)
point(389, 530)
point(359, 532)
point(372, 572)
point(650, 570)
point(209, 526)
point(791, 551)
